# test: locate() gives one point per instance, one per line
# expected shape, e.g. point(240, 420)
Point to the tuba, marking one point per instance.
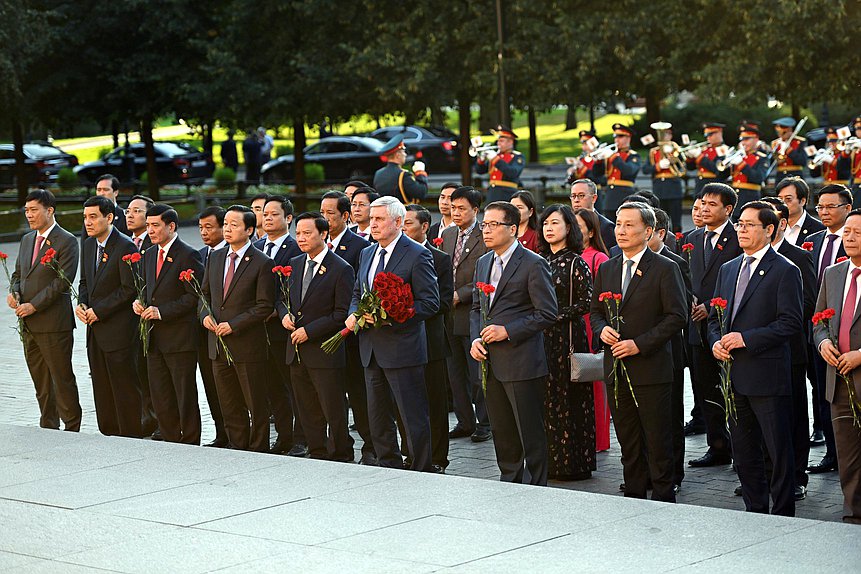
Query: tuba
point(670, 150)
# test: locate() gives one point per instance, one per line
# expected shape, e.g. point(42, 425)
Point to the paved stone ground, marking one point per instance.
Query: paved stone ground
point(711, 487)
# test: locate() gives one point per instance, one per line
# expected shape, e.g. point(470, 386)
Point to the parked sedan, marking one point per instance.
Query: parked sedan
point(435, 146)
point(342, 158)
point(176, 162)
point(42, 161)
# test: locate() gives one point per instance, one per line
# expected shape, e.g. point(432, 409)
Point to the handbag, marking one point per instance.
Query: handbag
point(585, 367)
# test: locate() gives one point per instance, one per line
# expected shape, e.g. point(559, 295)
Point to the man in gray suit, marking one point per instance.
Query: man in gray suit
point(464, 244)
point(41, 299)
point(839, 291)
point(511, 340)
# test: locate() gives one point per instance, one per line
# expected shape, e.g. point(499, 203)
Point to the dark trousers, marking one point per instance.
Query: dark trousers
point(800, 424)
point(242, 394)
point(319, 397)
point(49, 360)
point(764, 420)
point(209, 387)
point(149, 421)
point(516, 410)
point(174, 394)
point(465, 380)
point(848, 438)
point(814, 388)
point(435, 384)
point(646, 439)
point(677, 410)
point(279, 393)
point(823, 406)
point(711, 401)
point(115, 392)
point(696, 409)
point(357, 394)
point(407, 387)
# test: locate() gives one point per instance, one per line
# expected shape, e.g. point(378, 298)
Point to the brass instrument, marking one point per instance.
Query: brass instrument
point(824, 155)
point(603, 151)
point(849, 144)
point(482, 150)
point(732, 158)
point(694, 146)
point(669, 149)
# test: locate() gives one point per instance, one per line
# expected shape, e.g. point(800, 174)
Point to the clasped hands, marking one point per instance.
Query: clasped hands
point(299, 335)
point(845, 363)
point(85, 314)
point(21, 309)
point(150, 313)
point(490, 334)
point(619, 347)
point(220, 329)
point(729, 342)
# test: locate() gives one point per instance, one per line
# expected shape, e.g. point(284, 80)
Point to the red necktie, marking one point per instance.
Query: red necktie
point(138, 242)
point(159, 263)
point(231, 269)
point(39, 241)
point(329, 245)
point(848, 313)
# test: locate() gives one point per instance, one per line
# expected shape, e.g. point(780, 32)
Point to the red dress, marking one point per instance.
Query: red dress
point(529, 240)
point(594, 259)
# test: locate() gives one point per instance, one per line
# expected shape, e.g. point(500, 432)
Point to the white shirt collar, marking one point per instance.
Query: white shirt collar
point(169, 244)
point(758, 255)
point(506, 257)
point(108, 236)
point(391, 246)
point(801, 219)
point(776, 246)
point(719, 230)
point(277, 242)
point(48, 231)
point(636, 258)
point(335, 241)
point(241, 251)
point(319, 258)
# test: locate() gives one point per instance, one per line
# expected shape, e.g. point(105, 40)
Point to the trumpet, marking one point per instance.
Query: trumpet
point(850, 144)
point(732, 158)
point(603, 151)
point(694, 149)
point(821, 156)
point(475, 151)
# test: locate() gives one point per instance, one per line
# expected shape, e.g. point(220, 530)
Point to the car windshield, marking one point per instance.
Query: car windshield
point(171, 149)
point(39, 150)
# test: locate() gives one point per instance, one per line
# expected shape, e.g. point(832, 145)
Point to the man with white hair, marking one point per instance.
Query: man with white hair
point(394, 356)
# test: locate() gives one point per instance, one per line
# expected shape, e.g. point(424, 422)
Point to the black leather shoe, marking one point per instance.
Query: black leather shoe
point(817, 438)
point(218, 443)
point(299, 451)
point(692, 428)
point(677, 488)
point(437, 469)
point(709, 459)
point(156, 434)
point(279, 446)
point(827, 464)
point(481, 435)
point(800, 492)
point(459, 432)
point(368, 459)
point(622, 487)
point(737, 490)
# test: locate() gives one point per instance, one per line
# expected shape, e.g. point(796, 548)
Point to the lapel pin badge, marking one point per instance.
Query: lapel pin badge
point(247, 258)
point(343, 247)
point(170, 259)
point(639, 273)
point(761, 272)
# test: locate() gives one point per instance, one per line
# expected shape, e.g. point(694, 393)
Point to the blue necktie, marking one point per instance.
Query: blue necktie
point(381, 265)
point(743, 280)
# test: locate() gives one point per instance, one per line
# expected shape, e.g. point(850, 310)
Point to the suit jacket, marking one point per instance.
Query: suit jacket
point(176, 300)
point(769, 314)
point(811, 226)
point(704, 277)
point(804, 261)
point(282, 256)
point(654, 310)
point(608, 231)
point(322, 311)
point(246, 305)
point(438, 346)
point(145, 244)
point(109, 290)
point(464, 274)
point(818, 240)
point(119, 223)
point(401, 344)
point(525, 304)
point(678, 341)
point(831, 296)
point(40, 285)
point(350, 248)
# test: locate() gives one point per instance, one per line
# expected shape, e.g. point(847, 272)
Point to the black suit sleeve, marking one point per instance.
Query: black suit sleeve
point(326, 325)
point(177, 308)
point(125, 292)
point(445, 274)
point(673, 311)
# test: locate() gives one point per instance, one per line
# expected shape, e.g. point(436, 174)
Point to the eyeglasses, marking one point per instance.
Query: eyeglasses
point(138, 210)
point(830, 207)
point(356, 204)
point(742, 226)
point(580, 196)
point(492, 225)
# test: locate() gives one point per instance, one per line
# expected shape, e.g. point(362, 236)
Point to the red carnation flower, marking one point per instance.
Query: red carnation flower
point(437, 242)
point(841, 260)
point(3, 255)
point(807, 246)
point(828, 313)
point(679, 235)
point(688, 247)
point(719, 302)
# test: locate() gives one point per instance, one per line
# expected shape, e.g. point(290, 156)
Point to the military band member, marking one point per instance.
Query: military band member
point(748, 170)
point(787, 150)
point(838, 169)
point(667, 170)
point(393, 180)
point(503, 166)
point(618, 171)
point(583, 166)
point(855, 162)
point(706, 160)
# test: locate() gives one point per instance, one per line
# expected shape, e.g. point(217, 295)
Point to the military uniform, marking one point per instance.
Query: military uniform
point(667, 181)
point(855, 167)
point(504, 170)
point(706, 163)
point(749, 174)
point(394, 181)
point(617, 174)
point(839, 170)
point(794, 159)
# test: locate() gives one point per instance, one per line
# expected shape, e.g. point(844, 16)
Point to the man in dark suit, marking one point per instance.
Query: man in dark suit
point(360, 212)
point(764, 295)
point(335, 207)
point(714, 244)
point(416, 225)
point(833, 203)
point(280, 248)
point(656, 244)
point(794, 192)
point(654, 308)
point(170, 306)
point(798, 346)
point(105, 294)
point(238, 286)
point(584, 194)
point(444, 203)
point(695, 425)
point(394, 356)
point(210, 223)
point(321, 286)
point(840, 288)
point(43, 306)
point(108, 186)
point(511, 339)
point(465, 246)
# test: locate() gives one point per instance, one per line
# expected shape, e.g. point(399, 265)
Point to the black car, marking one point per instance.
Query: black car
point(42, 160)
point(342, 157)
point(176, 162)
point(435, 146)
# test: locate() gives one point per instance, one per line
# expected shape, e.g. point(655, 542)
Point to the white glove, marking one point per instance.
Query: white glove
point(664, 163)
point(419, 166)
point(489, 155)
point(737, 159)
point(694, 153)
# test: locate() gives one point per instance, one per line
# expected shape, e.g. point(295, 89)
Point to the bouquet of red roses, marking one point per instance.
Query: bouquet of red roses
point(389, 301)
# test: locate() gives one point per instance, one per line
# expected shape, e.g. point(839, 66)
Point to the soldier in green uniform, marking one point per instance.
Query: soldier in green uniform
point(394, 180)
